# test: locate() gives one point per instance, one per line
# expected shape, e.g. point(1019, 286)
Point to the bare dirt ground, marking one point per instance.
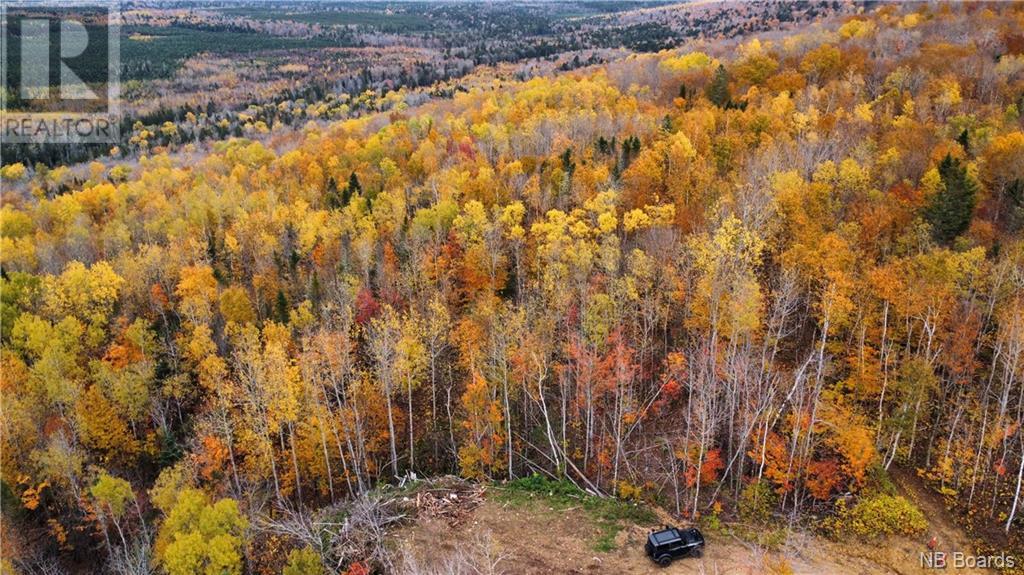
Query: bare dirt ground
point(537, 539)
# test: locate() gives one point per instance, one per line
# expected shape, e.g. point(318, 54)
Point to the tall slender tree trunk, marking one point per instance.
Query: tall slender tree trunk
point(412, 447)
point(391, 438)
point(1016, 495)
point(295, 462)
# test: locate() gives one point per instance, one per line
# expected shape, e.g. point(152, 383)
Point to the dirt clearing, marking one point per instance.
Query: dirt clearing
point(543, 535)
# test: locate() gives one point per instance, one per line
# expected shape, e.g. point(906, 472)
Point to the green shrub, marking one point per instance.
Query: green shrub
point(757, 501)
point(877, 515)
point(712, 523)
point(541, 485)
point(303, 562)
point(879, 481)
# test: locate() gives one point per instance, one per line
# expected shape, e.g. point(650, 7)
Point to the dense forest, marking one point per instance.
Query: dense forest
point(734, 278)
point(193, 72)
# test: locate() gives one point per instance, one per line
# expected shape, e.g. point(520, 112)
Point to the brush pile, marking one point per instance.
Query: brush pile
point(448, 498)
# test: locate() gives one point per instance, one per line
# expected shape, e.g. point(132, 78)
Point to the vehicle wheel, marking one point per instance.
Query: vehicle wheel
point(663, 561)
point(697, 552)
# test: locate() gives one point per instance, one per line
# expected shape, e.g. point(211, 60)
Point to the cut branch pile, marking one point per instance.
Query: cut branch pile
point(448, 498)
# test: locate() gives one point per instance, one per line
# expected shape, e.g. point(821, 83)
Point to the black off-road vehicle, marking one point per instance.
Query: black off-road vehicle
point(671, 543)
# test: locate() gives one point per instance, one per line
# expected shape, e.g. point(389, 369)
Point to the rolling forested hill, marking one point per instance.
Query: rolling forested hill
point(743, 279)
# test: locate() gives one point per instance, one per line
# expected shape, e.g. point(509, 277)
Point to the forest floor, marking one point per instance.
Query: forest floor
point(540, 534)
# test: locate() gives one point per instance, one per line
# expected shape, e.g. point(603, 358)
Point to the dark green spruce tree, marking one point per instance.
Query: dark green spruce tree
point(332, 198)
point(718, 89)
point(354, 188)
point(951, 208)
point(281, 308)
